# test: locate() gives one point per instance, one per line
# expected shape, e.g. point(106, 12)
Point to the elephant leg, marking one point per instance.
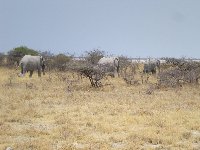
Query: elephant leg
point(39, 73)
point(31, 73)
point(22, 69)
point(115, 73)
point(43, 68)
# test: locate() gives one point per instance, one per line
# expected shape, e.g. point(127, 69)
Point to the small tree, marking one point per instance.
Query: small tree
point(93, 74)
point(60, 60)
point(94, 56)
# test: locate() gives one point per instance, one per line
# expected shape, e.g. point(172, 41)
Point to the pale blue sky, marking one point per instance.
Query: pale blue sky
point(134, 28)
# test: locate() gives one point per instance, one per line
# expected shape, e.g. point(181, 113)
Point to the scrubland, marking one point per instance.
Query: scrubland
point(59, 112)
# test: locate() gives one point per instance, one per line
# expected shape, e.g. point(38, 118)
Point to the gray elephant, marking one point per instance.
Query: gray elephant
point(152, 66)
point(110, 64)
point(31, 63)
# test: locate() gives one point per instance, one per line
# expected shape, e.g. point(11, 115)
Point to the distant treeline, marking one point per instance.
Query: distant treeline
point(13, 57)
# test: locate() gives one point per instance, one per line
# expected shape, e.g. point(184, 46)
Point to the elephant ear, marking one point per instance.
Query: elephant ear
point(42, 62)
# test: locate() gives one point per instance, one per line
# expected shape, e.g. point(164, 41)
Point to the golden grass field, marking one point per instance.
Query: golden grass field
point(49, 113)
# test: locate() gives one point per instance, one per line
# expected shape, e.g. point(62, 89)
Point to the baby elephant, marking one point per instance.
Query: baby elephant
point(31, 63)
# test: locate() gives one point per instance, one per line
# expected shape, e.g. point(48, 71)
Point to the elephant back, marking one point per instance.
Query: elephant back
point(31, 62)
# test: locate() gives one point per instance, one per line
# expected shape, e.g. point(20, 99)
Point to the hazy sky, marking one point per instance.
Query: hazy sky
point(134, 28)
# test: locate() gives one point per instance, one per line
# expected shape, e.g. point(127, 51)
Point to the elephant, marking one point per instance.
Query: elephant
point(31, 63)
point(152, 66)
point(110, 64)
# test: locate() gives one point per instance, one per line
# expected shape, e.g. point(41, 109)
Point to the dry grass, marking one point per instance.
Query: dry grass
point(57, 112)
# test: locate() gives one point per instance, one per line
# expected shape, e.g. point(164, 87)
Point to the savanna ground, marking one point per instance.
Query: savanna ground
point(55, 112)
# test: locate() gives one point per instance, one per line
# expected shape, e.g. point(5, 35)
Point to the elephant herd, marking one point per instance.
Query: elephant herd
point(37, 63)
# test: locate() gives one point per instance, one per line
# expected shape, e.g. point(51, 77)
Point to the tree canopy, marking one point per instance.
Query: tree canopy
point(17, 53)
point(93, 56)
point(21, 51)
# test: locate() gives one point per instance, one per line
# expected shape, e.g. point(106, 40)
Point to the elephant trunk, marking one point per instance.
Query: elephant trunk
point(43, 68)
point(22, 70)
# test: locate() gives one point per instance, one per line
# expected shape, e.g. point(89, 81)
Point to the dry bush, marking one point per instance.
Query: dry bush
point(126, 67)
point(78, 69)
point(174, 61)
point(128, 70)
point(94, 74)
point(183, 73)
point(59, 62)
point(93, 56)
point(170, 78)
